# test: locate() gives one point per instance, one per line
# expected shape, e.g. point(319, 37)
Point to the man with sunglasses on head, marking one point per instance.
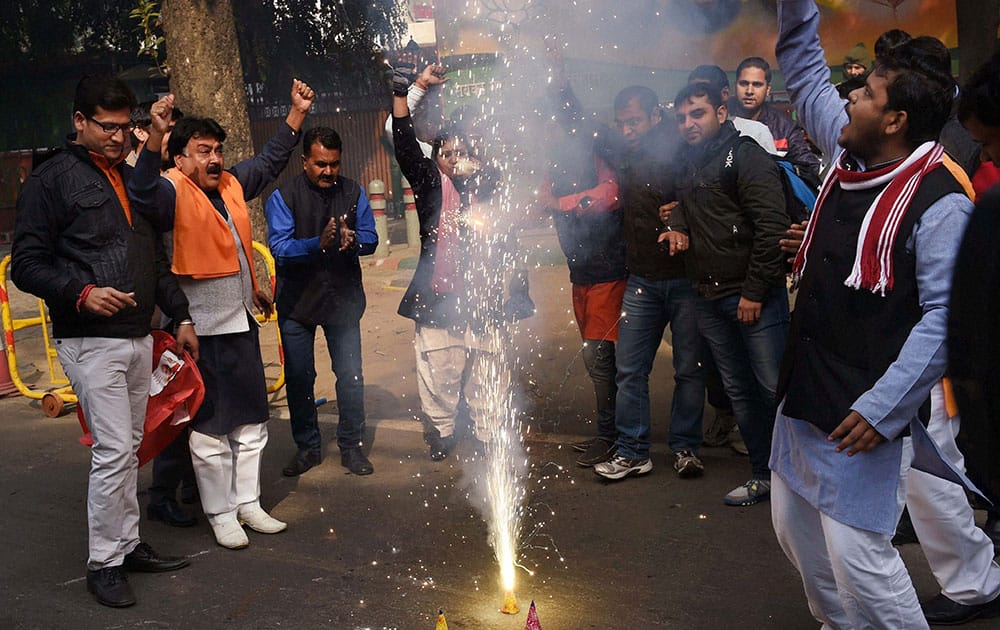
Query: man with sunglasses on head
point(100, 268)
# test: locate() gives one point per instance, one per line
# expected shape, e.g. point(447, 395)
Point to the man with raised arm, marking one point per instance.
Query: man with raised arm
point(866, 343)
point(203, 207)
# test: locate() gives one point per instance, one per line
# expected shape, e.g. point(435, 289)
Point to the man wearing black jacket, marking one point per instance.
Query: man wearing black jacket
point(101, 269)
point(658, 293)
point(735, 264)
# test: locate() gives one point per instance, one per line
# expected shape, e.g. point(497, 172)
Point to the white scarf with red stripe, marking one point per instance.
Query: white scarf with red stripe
point(872, 269)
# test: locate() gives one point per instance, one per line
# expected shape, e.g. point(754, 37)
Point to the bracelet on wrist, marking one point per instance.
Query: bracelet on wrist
point(185, 322)
point(83, 297)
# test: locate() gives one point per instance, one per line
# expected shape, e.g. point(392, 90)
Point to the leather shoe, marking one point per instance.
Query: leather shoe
point(600, 450)
point(143, 559)
point(355, 461)
point(229, 534)
point(303, 461)
point(941, 611)
point(440, 446)
point(254, 517)
point(170, 513)
point(110, 587)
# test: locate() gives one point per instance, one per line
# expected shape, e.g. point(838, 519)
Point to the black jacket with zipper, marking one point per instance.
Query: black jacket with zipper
point(733, 241)
point(71, 231)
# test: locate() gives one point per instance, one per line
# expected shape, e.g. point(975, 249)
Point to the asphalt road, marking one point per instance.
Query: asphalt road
point(389, 550)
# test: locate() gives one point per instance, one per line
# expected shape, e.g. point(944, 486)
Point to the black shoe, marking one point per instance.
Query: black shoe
point(600, 450)
point(581, 447)
point(143, 559)
point(170, 513)
point(440, 446)
point(941, 611)
point(355, 461)
point(303, 461)
point(110, 587)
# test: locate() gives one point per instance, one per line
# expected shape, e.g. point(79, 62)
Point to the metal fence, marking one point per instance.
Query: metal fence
point(364, 157)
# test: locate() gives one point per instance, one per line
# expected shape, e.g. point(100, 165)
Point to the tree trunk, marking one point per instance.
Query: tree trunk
point(977, 33)
point(206, 75)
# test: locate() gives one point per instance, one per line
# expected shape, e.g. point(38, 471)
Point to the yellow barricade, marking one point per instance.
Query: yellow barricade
point(60, 393)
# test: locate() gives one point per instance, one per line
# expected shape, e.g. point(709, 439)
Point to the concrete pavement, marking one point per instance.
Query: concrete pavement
point(389, 550)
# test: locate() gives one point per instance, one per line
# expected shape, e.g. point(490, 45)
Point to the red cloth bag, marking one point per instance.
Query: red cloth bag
point(170, 408)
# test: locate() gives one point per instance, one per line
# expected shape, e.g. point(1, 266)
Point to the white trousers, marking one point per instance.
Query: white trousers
point(959, 554)
point(227, 468)
point(111, 380)
point(447, 362)
point(853, 578)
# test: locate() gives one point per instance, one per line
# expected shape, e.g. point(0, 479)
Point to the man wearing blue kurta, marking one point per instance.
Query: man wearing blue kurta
point(867, 339)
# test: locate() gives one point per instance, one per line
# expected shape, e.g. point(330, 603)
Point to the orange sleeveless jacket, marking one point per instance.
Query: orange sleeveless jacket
point(203, 243)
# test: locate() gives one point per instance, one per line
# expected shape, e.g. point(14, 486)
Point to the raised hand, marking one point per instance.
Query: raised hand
point(432, 75)
point(161, 113)
point(302, 96)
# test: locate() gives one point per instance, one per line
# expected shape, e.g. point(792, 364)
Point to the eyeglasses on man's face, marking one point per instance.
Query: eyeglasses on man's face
point(111, 128)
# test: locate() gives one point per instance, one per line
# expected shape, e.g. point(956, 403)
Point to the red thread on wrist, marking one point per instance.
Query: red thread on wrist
point(83, 297)
point(420, 84)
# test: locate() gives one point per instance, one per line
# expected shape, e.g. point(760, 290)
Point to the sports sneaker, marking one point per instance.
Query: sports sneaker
point(753, 491)
point(581, 447)
point(600, 450)
point(687, 465)
point(621, 466)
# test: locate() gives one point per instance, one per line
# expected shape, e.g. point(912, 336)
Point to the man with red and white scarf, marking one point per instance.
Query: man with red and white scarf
point(867, 338)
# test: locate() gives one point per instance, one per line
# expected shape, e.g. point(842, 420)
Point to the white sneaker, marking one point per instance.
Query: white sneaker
point(258, 520)
point(620, 467)
point(230, 535)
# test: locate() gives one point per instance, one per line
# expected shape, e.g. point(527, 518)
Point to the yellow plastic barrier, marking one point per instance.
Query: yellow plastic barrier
point(265, 253)
point(60, 393)
point(54, 399)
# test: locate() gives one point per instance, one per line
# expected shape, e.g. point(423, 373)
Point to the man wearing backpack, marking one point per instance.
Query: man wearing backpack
point(735, 264)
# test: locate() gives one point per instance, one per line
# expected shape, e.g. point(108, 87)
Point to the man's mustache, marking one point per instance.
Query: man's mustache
point(214, 169)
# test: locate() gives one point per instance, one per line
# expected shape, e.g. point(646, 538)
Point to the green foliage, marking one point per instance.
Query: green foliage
point(47, 45)
point(147, 14)
point(46, 30)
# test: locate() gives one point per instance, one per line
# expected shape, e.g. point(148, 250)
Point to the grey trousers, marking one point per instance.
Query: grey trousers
point(111, 379)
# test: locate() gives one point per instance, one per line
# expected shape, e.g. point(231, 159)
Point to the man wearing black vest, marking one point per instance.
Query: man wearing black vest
point(867, 338)
point(318, 224)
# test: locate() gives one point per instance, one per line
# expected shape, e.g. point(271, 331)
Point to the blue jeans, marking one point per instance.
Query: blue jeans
point(749, 358)
point(344, 344)
point(650, 305)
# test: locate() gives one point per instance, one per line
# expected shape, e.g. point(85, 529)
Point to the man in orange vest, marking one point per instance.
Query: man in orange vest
point(202, 207)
